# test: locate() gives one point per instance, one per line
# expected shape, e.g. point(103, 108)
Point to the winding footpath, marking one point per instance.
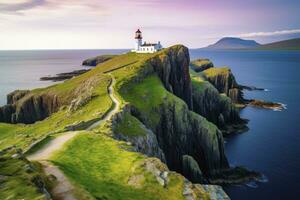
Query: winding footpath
point(64, 190)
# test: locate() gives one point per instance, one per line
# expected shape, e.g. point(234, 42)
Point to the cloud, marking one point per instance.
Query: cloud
point(267, 34)
point(20, 6)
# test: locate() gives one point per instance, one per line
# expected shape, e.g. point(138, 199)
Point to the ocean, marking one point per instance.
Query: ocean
point(271, 146)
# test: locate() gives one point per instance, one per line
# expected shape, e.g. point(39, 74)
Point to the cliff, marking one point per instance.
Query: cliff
point(224, 81)
point(215, 107)
point(172, 67)
point(165, 110)
point(29, 108)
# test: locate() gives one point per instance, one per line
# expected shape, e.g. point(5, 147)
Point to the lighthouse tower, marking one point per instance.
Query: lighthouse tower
point(138, 40)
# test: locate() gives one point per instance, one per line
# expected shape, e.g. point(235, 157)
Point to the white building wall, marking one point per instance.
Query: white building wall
point(139, 48)
point(149, 49)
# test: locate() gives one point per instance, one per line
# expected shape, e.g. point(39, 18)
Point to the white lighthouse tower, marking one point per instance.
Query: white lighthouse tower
point(138, 40)
point(141, 47)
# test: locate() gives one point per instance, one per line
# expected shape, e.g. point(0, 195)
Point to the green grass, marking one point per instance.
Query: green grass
point(146, 96)
point(211, 72)
point(200, 84)
point(98, 164)
point(130, 126)
point(19, 183)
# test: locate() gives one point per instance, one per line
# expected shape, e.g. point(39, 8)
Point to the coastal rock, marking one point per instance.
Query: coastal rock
point(64, 76)
point(191, 170)
point(216, 108)
point(6, 113)
point(97, 60)
point(224, 81)
point(144, 142)
point(200, 65)
point(181, 132)
point(266, 104)
point(38, 105)
point(16, 95)
point(216, 192)
point(29, 109)
point(172, 66)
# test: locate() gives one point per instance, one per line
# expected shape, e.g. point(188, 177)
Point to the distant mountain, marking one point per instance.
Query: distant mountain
point(292, 44)
point(233, 43)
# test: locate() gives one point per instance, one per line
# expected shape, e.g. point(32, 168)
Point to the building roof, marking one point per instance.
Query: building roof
point(138, 31)
point(148, 44)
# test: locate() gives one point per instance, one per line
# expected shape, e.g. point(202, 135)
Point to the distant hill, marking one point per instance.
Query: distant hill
point(292, 44)
point(233, 43)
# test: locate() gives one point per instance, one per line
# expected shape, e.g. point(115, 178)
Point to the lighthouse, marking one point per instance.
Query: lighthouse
point(141, 47)
point(138, 40)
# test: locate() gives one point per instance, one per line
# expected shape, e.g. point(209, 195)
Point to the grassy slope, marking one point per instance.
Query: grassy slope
point(130, 126)
point(292, 44)
point(23, 135)
point(96, 162)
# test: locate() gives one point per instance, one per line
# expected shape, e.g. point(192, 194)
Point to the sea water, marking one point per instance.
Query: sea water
point(272, 145)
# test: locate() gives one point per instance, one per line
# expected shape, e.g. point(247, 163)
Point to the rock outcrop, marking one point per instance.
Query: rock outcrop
point(14, 96)
point(200, 65)
point(172, 66)
point(64, 76)
point(182, 132)
point(28, 108)
point(225, 82)
point(191, 169)
point(97, 60)
point(144, 141)
point(216, 108)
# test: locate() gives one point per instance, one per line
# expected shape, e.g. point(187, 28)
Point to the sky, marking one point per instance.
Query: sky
point(110, 24)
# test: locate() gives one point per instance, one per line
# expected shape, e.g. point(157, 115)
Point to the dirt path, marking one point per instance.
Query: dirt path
point(116, 106)
point(63, 190)
point(54, 145)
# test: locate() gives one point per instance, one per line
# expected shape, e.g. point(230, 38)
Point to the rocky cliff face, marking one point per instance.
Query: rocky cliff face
point(225, 82)
point(14, 96)
point(216, 108)
point(181, 132)
point(27, 108)
point(172, 66)
point(144, 141)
